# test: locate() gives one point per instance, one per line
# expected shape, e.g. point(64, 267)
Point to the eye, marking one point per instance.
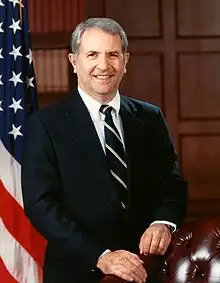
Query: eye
point(113, 55)
point(92, 55)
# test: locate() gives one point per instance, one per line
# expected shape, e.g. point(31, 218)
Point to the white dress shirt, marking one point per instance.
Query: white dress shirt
point(98, 118)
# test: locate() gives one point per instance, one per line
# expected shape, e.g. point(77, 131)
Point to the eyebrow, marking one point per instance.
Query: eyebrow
point(108, 52)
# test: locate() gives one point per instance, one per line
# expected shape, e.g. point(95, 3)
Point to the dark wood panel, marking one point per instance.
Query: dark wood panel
point(46, 99)
point(200, 208)
point(139, 18)
point(198, 127)
point(53, 15)
point(52, 40)
point(198, 18)
point(146, 85)
point(96, 10)
point(198, 45)
point(199, 85)
point(200, 161)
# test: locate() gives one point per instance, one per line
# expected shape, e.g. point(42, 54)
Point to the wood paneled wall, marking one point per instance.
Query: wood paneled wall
point(175, 63)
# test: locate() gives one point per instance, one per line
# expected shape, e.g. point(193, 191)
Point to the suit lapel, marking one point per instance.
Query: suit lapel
point(135, 142)
point(133, 128)
point(85, 137)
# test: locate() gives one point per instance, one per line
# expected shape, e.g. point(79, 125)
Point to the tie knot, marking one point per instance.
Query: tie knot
point(106, 109)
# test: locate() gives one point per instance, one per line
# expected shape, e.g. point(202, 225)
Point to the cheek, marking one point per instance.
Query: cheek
point(121, 73)
point(120, 68)
point(88, 69)
point(84, 71)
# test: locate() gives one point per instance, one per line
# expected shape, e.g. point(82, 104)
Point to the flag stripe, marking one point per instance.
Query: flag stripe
point(21, 265)
point(5, 275)
point(10, 167)
point(24, 233)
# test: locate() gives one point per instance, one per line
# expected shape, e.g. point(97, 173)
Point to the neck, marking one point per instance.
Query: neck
point(104, 98)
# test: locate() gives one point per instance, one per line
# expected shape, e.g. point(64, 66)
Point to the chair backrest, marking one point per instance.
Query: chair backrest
point(193, 256)
point(194, 253)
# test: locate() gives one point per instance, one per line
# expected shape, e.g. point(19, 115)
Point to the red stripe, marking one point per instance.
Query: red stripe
point(5, 275)
point(19, 226)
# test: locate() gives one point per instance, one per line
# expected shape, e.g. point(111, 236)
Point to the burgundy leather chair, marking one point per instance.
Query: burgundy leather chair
point(193, 256)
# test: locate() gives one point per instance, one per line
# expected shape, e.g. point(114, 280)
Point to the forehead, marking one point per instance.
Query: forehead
point(95, 39)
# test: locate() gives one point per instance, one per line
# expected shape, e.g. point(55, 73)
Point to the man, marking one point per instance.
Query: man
point(98, 207)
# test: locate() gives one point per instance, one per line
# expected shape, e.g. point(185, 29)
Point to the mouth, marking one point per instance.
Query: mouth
point(103, 77)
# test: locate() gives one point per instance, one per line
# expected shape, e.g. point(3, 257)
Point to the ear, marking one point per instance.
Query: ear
point(126, 58)
point(72, 59)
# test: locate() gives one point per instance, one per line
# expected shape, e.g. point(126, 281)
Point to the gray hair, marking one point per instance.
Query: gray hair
point(105, 24)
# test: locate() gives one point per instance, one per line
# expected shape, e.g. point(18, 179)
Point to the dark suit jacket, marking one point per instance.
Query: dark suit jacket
point(69, 195)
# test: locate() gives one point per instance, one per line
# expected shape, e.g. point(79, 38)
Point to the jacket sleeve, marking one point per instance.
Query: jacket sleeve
point(41, 187)
point(173, 187)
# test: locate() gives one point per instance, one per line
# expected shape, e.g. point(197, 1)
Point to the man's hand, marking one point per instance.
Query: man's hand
point(155, 240)
point(123, 264)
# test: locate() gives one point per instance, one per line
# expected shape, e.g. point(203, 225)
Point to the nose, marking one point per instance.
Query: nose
point(103, 63)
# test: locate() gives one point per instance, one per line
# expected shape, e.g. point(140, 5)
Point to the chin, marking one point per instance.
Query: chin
point(106, 90)
point(106, 93)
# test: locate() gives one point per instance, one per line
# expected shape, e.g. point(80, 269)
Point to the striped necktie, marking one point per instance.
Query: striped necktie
point(115, 154)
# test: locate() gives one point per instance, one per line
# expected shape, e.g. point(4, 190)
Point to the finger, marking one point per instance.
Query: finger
point(136, 266)
point(122, 272)
point(133, 266)
point(164, 243)
point(138, 275)
point(146, 243)
point(128, 273)
point(141, 244)
point(135, 259)
point(155, 243)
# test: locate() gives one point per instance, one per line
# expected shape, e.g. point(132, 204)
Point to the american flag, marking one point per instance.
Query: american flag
point(21, 247)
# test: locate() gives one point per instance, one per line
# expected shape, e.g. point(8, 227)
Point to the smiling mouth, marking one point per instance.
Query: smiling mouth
point(103, 77)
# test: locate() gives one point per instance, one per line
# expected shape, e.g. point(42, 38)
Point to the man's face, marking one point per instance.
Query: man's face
point(100, 63)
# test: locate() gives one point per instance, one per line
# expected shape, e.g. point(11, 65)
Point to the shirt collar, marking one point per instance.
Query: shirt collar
point(94, 106)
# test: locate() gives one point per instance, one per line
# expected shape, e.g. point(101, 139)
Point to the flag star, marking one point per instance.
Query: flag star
point(1, 83)
point(14, 2)
point(30, 82)
point(15, 78)
point(15, 25)
point(1, 57)
point(15, 131)
point(1, 4)
point(1, 109)
point(16, 52)
point(29, 56)
point(16, 105)
point(1, 30)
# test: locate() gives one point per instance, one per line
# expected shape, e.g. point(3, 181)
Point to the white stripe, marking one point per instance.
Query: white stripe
point(105, 108)
point(16, 259)
point(113, 131)
point(123, 205)
point(10, 174)
point(116, 155)
point(118, 179)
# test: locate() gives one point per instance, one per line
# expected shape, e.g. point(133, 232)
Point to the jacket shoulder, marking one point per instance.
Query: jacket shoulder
point(52, 114)
point(140, 107)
